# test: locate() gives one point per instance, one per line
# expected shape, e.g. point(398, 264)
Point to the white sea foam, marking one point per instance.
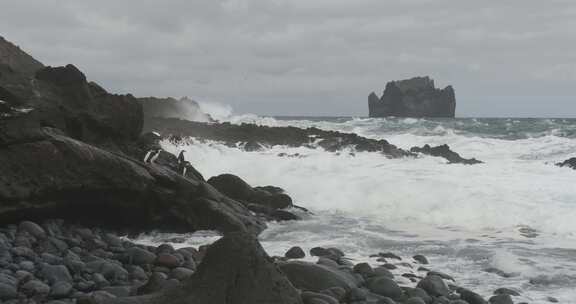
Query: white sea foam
point(466, 218)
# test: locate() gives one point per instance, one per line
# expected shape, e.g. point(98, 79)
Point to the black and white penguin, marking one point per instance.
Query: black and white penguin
point(154, 156)
point(181, 157)
point(151, 156)
point(147, 156)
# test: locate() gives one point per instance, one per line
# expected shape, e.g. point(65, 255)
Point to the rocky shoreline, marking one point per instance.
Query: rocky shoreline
point(252, 137)
point(77, 155)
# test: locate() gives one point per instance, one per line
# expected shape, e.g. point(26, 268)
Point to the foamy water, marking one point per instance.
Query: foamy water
point(464, 218)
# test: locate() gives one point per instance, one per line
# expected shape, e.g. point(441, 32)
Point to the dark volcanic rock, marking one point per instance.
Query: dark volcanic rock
point(416, 97)
point(231, 134)
point(445, 152)
point(258, 199)
point(44, 174)
point(314, 277)
point(295, 253)
point(61, 97)
point(236, 270)
point(434, 286)
point(13, 57)
point(570, 163)
point(385, 287)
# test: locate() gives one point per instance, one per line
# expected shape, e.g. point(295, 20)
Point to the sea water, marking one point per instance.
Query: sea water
point(515, 214)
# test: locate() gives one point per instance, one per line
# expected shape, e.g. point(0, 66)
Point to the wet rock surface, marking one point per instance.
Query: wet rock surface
point(232, 134)
point(84, 261)
point(444, 151)
point(569, 163)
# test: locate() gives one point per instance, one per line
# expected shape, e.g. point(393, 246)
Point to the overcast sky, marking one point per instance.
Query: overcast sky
point(312, 57)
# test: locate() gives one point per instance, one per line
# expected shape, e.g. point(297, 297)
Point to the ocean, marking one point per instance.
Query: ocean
point(509, 222)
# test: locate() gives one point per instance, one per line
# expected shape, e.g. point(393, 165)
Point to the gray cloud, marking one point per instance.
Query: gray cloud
point(312, 57)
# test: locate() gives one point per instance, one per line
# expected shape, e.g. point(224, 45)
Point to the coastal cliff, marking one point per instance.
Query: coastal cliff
point(415, 97)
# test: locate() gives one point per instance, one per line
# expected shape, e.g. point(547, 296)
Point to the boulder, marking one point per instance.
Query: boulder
point(55, 273)
point(420, 259)
point(295, 253)
point(315, 277)
point(434, 286)
point(35, 288)
point(92, 185)
point(236, 188)
point(385, 287)
point(415, 97)
point(235, 270)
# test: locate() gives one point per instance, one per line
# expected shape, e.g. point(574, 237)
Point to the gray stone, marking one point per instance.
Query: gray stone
point(315, 277)
point(61, 290)
point(168, 260)
point(35, 287)
point(501, 299)
point(364, 269)
point(8, 279)
point(55, 273)
point(119, 291)
point(23, 252)
point(434, 286)
point(8, 292)
point(100, 281)
point(415, 300)
point(23, 275)
point(357, 294)
point(139, 256)
point(309, 297)
point(383, 272)
point(51, 259)
point(337, 293)
point(27, 265)
point(417, 293)
point(180, 273)
point(137, 273)
point(33, 229)
point(507, 291)
point(295, 253)
point(385, 287)
point(420, 259)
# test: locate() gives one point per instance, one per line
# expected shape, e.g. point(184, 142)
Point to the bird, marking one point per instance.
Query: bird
point(181, 157)
point(155, 156)
point(151, 156)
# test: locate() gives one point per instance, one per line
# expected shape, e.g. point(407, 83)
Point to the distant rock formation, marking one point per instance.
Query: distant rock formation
point(183, 108)
point(415, 97)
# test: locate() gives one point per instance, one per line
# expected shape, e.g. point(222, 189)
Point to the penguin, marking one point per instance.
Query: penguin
point(181, 157)
point(147, 156)
point(154, 156)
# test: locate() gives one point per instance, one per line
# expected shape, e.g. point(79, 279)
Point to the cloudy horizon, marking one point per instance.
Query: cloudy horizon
point(312, 57)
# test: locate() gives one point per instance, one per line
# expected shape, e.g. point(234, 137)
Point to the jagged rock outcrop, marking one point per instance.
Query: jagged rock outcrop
point(183, 108)
point(36, 96)
point(45, 174)
point(445, 152)
point(232, 134)
point(415, 97)
point(13, 57)
point(570, 163)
